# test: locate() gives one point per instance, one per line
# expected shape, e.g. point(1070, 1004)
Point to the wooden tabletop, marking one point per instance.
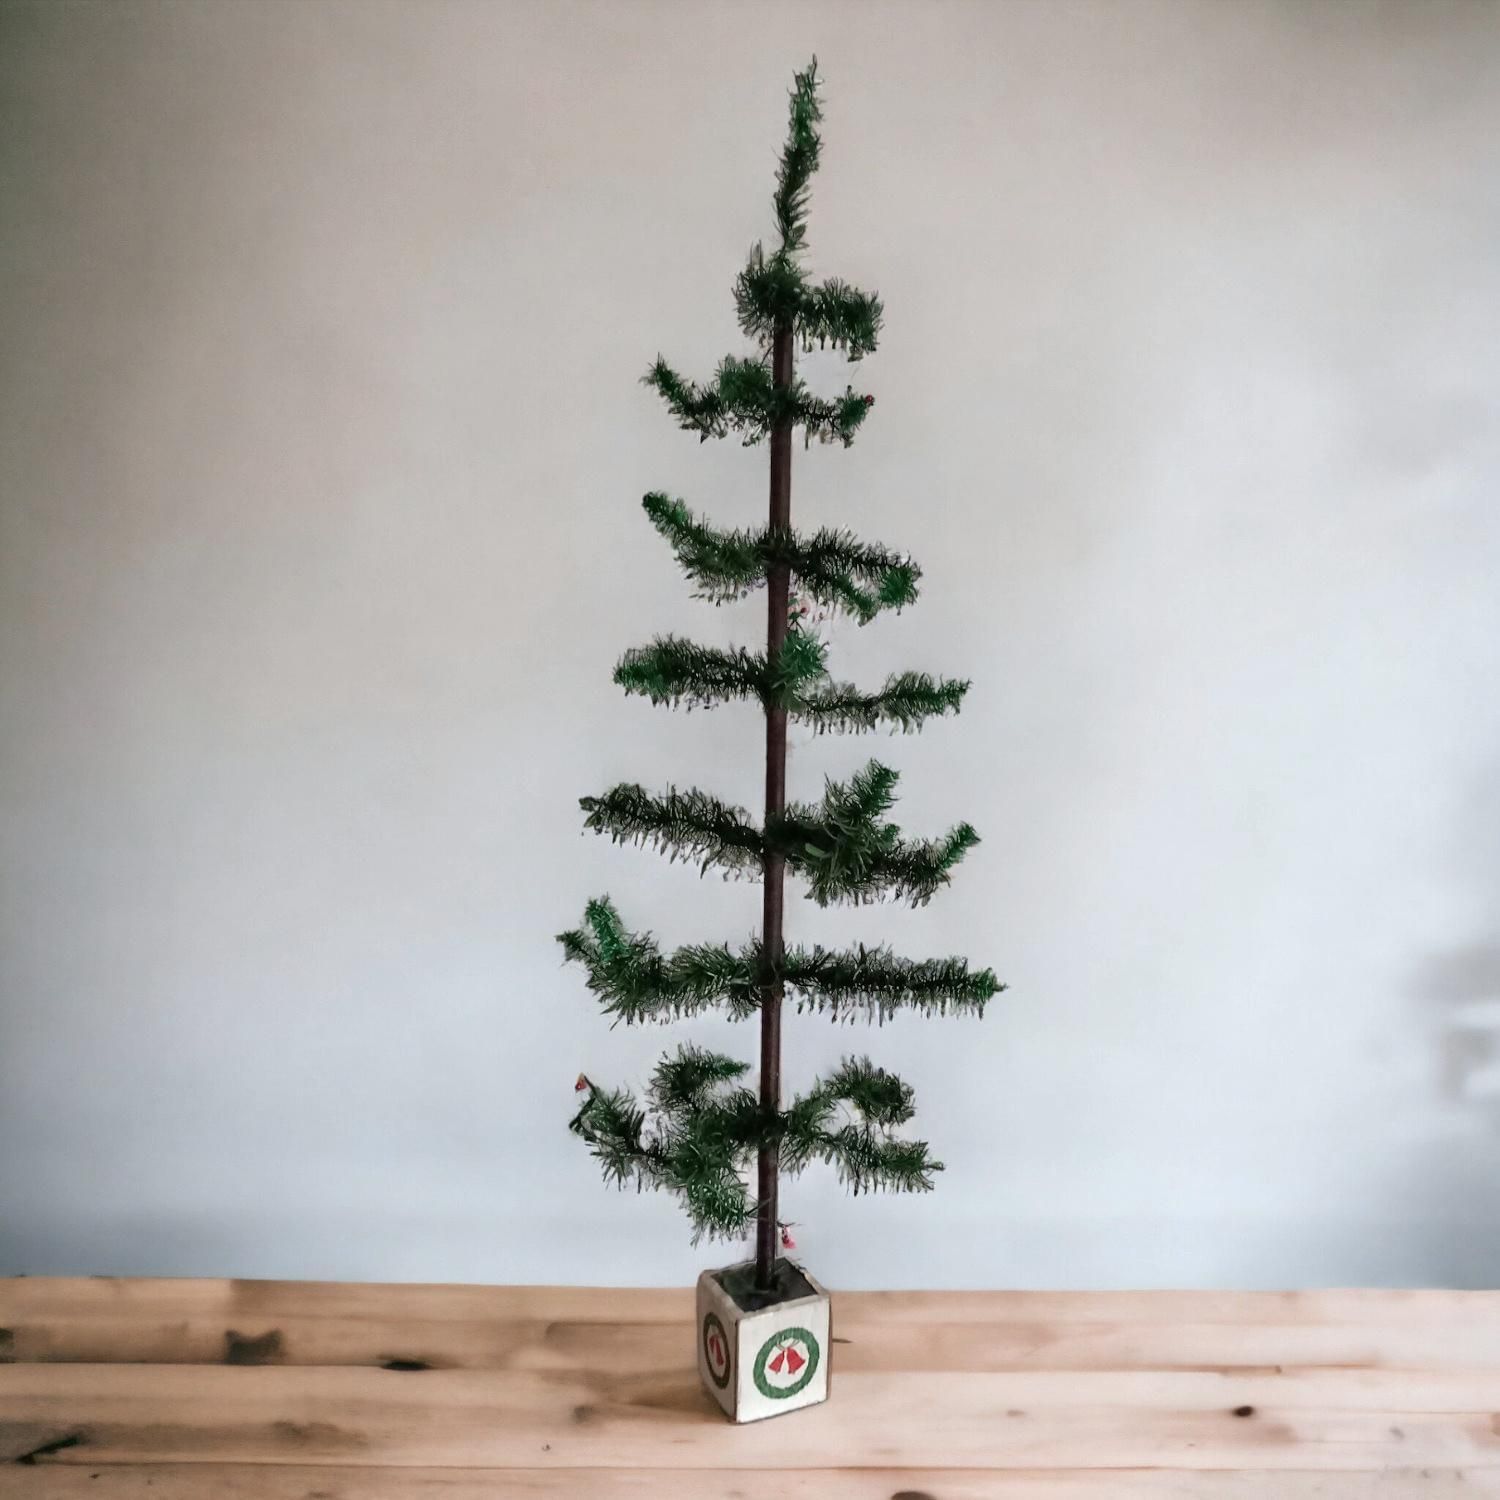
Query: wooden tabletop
point(253, 1390)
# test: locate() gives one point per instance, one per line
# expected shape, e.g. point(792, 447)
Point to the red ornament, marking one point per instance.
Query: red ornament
point(787, 1242)
point(582, 1084)
point(869, 401)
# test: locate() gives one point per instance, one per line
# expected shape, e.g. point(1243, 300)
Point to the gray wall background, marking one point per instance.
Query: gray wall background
point(320, 451)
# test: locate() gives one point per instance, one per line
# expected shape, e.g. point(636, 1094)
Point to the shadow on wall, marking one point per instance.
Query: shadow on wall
point(1465, 987)
point(1452, 1206)
point(1462, 985)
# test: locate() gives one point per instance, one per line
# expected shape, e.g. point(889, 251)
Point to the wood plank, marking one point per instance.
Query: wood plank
point(863, 1346)
point(615, 1331)
point(1304, 1420)
point(51, 1296)
point(266, 1482)
point(56, 1296)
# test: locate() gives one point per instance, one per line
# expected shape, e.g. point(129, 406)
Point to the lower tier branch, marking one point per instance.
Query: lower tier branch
point(698, 1129)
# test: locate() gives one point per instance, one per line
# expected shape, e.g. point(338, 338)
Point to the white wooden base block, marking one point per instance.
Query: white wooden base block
point(762, 1363)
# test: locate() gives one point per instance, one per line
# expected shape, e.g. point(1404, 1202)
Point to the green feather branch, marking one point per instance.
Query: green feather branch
point(906, 700)
point(841, 847)
point(839, 315)
point(691, 1137)
point(878, 1097)
point(722, 565)
point(614, 1125)
point(743, 398)
point(690, 1081)
point(635, 982)
point(840, 571)
point(774, 293)
point(681, 672)
point(799, 664)
point(874, 984)
point(845, 851)
point(698, 1131)
point(830, 421)
point(831, 566)
point(676, 671)
point(770, 293)
point(868, 1161)
point(846, 1120)
point(684, 825)
point(673, 670)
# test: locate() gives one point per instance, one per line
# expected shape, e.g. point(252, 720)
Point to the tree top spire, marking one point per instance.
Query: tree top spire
point(799, 160)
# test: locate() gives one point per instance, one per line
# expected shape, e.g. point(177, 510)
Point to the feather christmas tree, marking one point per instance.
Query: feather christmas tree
point(701, 1131)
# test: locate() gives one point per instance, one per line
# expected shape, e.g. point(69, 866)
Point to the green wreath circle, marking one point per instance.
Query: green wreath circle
point(784, 1336)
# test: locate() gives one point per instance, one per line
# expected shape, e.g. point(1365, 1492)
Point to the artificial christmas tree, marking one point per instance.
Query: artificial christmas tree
point(763, 1326)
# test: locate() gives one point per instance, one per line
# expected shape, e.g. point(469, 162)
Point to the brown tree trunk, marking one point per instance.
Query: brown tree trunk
point(772, 868)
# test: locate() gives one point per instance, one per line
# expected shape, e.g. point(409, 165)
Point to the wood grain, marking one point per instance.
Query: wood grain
point(107, 1320)
point(308, 1482)
point(291, 1391)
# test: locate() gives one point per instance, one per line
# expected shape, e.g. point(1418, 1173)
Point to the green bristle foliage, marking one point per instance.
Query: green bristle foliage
point(770, 293)
point(722, 565)
point(842, 572)
point(878, 1096)
point(873, 984)
point(672, 670)
point(712, 974)
point(906, 700)
point(743, 398)
point(717, 1202)
point(698, 1132)
point(614, 1126)
point(687, 1081)
point(691, 1138)
point(832, 567)
point(635, 982)
point(867, 794)
point(682, 673)
point(832, 421)
point(818, 1127)
point(840, 315)
point(799, 160)
point(846, 853)
point(798, 666)
point(686, 825)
